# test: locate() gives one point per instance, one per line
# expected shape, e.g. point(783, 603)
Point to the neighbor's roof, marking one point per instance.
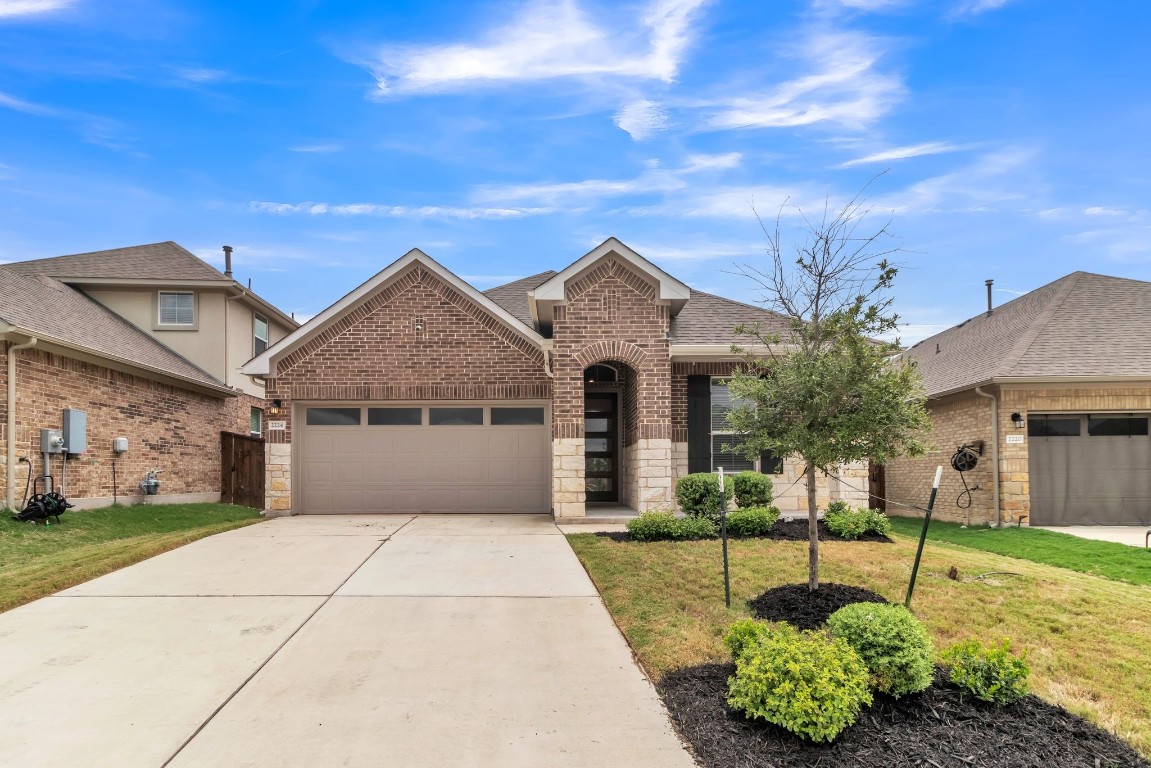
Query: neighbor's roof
point(513, 296)
point(1083, 325)
point(157, 261)
point(44, 307)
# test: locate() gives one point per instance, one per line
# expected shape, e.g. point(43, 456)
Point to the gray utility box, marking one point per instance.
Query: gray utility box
point(75, 431)
point(51, 441)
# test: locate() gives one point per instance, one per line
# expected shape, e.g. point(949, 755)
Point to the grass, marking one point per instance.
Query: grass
point(38, 560)
point(1089, 638)
point(1101, 558)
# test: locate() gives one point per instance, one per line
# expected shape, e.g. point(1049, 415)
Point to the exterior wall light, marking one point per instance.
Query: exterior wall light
point(1017, 419)
point(274, 410)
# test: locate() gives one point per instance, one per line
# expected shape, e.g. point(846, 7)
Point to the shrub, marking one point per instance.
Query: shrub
point(752, 489)
point(698, 495)
point(892, 643)
point(665, 526)
point(844, 521)
point(804, 682)
point(993, 674)
point(753, 521)
point(874, 521)
point(745, 634)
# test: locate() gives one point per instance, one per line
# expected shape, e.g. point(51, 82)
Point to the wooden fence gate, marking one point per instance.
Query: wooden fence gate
point(242, 470)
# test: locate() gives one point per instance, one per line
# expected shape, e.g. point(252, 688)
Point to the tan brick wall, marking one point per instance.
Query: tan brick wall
point(167, 427)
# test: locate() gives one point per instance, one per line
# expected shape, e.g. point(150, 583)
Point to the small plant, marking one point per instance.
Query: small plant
point(844, 521)
point(752, 489)
point(876, 522)
point(993, 674)
point(745, 634)
point(892, 643)
point(753, 521)
point(805, 682)
point(665, 526)
point(698, 495)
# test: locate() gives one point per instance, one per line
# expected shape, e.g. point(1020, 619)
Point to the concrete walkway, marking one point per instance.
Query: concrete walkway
point(1131, 535)
point(320, 641)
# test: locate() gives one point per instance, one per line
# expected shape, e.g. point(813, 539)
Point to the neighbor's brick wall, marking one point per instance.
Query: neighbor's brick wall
point(167, 427)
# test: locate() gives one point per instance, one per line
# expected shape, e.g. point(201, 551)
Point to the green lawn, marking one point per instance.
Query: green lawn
point(1089, 638)
point(38, 560)
point(1102, 558)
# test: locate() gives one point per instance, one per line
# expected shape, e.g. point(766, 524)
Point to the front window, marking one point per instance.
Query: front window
point(177, 308)
point(726, 448)
point(259, 335)
point(256, 422)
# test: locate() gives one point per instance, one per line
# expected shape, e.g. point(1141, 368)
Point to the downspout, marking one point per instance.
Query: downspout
point(10, 434)
point(994, 453)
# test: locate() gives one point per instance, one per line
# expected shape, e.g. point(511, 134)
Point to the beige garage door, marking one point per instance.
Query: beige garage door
point(390, 458)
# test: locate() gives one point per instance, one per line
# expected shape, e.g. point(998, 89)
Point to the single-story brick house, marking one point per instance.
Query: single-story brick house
point(598, 384)
point(1056, 386)
point(145, 341)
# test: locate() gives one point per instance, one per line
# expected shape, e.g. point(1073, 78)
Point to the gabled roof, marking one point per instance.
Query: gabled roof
point(670, 288)
point(710, 319)
point(157, 261)
point(264, 364)
point(513, 296)
point(41, 306)
point(1080, 327)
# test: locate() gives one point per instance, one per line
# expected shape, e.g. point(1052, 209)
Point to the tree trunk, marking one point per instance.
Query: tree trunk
point(812, 531)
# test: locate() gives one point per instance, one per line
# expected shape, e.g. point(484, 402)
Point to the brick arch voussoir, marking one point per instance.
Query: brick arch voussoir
point(606, 351)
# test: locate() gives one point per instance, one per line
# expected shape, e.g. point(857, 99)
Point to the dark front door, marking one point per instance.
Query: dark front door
point(242, 470)
point(601, 441)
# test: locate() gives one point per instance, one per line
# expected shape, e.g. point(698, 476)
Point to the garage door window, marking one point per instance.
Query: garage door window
point(1117, 426)
point(333, 417)
point(514, 417)
point(1053, 426)
point(456, 417)
point(395, 417)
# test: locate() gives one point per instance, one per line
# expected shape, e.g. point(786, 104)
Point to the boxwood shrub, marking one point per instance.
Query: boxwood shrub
point(892, 643)
point(665, 526)
point(993, 674)
point(850, 523)
point(698, 495)
point(753, 521)
point(805, 682)
point(752, 489)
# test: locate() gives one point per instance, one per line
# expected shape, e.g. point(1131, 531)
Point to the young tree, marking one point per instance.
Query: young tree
point(830, 389)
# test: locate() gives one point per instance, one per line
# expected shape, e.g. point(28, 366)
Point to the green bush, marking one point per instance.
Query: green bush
point(875, 522)
point(753, 521)
point(892, 643)
point(698, 495)
point(752, 489)
point(992, 674)
point(745, 634)
point(805, 682)
point(844, 521)
point(665, 526)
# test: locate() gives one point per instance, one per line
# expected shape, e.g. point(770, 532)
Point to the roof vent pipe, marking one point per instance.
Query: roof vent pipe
point(228, 267)
point(988, 282)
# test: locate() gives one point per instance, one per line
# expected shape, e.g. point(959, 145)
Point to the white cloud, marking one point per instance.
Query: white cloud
point(317, 148)
point(903, 153)
point(201, 74)
point(712, 162)
point(1097, 210)
point(547, 39)
point(979, 6)
point(978, 185)
point(870, 6)
point(652, 181)
point(13, 8)
point(699, 252)
point(642, 119)
point(11, 102)
point(844, 87)
point(394, 211)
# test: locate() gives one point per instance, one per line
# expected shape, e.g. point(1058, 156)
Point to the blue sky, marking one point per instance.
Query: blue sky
point(325, 139)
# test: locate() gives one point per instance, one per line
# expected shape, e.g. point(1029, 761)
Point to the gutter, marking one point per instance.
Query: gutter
point(994, 453)
point(10, 433)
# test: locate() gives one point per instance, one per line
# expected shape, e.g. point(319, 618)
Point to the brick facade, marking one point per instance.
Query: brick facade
point(167, 427)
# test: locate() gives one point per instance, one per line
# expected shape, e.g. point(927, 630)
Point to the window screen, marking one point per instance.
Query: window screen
point(177, 308)
point(517, 416)
point(725, 444)
point(456, 417)
point(395, 417)
point(333, 417)
point(259, 334)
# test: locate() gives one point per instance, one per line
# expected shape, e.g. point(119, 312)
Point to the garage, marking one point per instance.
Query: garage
point(1089, 469)
point(409, 458)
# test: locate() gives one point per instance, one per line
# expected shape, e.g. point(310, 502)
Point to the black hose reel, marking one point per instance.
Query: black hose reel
point(965, 459)
point(42, 506)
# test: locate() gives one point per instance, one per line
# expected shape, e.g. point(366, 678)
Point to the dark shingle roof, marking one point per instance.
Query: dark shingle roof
point(45, 307)
point(513, 296)
point(1080, 325)
point(158, 261)
point(710, 319)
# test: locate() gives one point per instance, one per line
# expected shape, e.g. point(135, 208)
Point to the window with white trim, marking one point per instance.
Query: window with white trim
point(256, 422)
point(259, 334)
point(177, 308)
point(726, 449)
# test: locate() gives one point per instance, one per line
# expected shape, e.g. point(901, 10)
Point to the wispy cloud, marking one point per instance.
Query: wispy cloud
point(903, 153)
point(654, 179)
point(993, 178)
point(317, 148)
point(642, 119)
point(547, 39)
point(94, 129)
point(696, 163)
point(869, 6)
point(844, 87)
point(200, 74)
point(394, 211)
point(15, 8)
point(980, 6)
point(28, 107)
point(698, 252)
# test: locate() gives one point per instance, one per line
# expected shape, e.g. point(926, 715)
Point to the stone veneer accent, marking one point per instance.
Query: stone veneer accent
point(651, 462)
point(568, 477)
point(278, 482)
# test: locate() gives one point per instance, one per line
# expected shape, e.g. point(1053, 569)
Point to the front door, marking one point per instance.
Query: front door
point(601, 441)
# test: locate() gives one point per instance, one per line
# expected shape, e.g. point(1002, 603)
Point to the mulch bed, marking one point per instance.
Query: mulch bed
point(804, 609)
point(783, 530)
point(935, 728)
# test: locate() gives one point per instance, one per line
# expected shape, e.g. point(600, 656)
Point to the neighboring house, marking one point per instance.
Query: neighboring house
point(148, 342)
point(600, 384)
point(1056, 385)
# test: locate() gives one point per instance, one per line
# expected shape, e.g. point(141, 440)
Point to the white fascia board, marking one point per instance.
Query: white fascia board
point(720, 351)
point(670, 289)
point(264, 364)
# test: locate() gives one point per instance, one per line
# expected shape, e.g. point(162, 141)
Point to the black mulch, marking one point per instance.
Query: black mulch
point(784, 530)
point(935, 728)
point(804, 609)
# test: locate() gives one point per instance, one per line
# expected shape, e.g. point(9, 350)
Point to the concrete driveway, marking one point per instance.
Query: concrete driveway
point(321, 641)
point(1131, 535)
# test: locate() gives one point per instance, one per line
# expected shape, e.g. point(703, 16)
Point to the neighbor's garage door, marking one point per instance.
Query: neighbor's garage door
point(1089, 469)
point(482, 458)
